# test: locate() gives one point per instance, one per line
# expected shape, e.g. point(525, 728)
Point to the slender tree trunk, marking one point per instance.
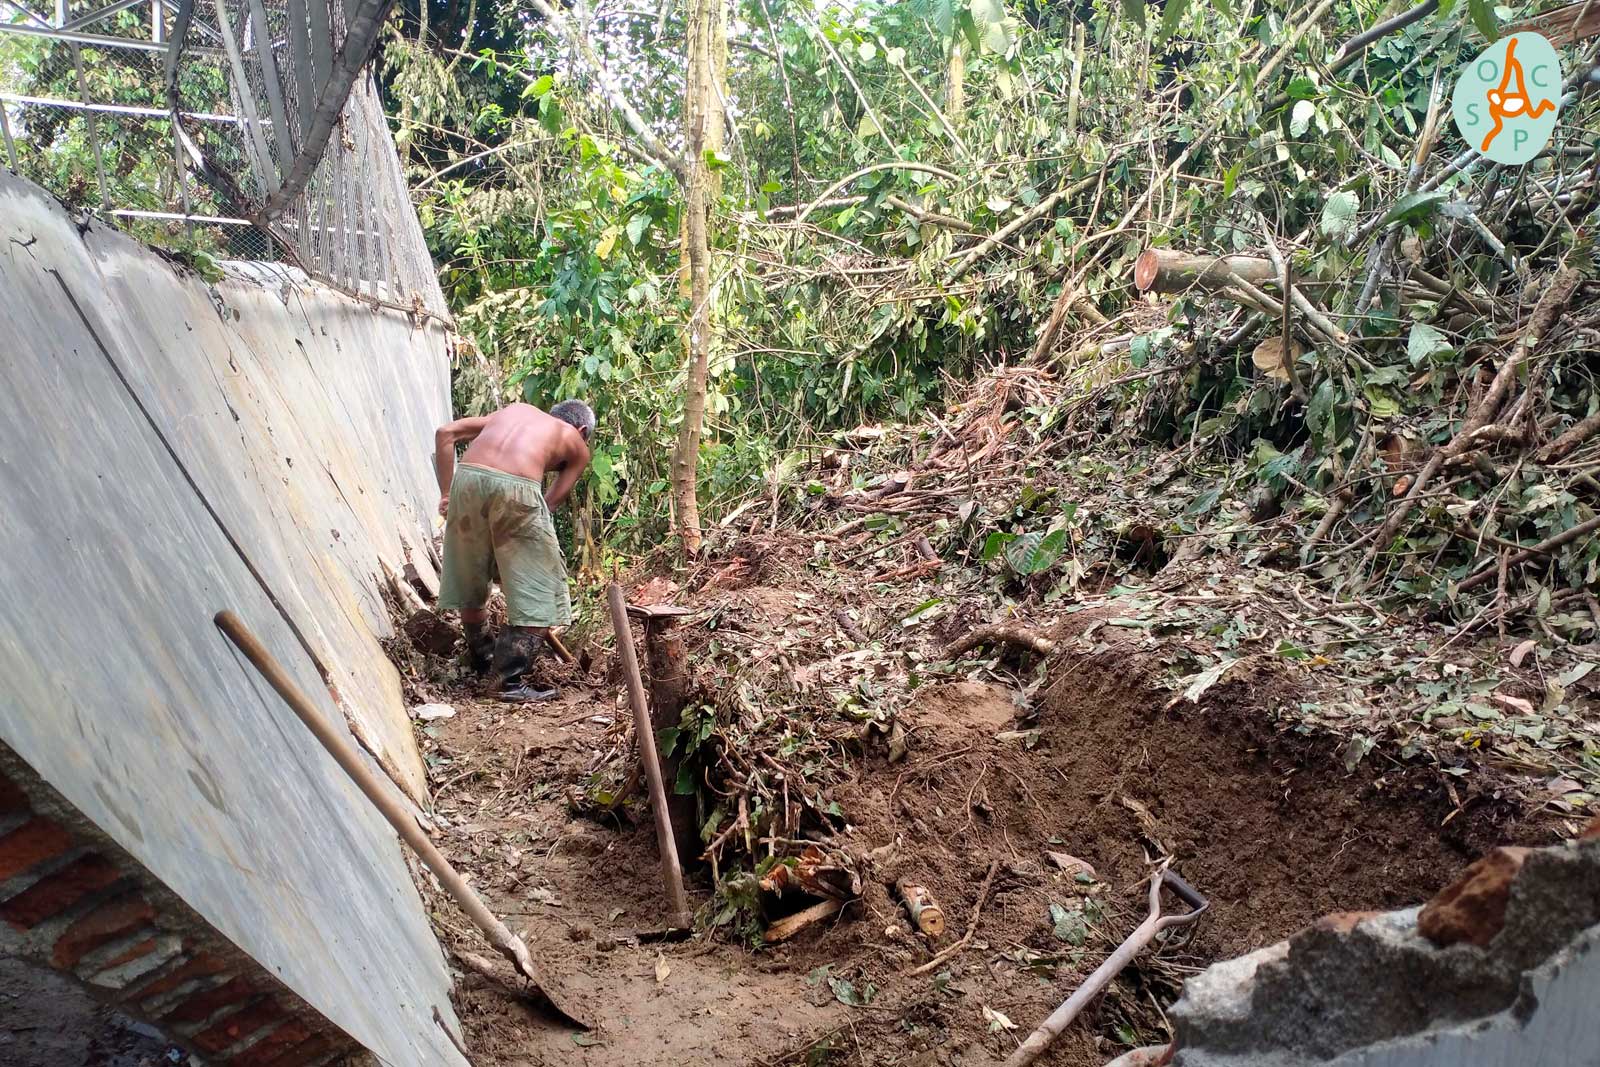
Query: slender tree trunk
point(955, 88)
point(703, 134)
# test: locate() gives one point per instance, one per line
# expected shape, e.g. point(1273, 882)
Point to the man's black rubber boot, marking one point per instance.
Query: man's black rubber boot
point(514, 653)
point(526, 694)
point(480, 647)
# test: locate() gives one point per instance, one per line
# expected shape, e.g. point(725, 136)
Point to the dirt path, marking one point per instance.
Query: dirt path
point(581, 890)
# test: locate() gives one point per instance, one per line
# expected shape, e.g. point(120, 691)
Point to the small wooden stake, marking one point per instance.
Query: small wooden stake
point(925, 911)
point(671, 871)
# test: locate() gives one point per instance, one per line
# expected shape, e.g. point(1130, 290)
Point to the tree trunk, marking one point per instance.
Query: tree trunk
point(669, 692)
point(703, 133)
point(955, 89)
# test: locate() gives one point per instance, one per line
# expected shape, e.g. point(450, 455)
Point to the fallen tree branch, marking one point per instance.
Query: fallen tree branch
point(1000, 236)
point(1543, 548)
point(1564, 445)
point(1006, 634)
point(1545, 315)
point(897, 164)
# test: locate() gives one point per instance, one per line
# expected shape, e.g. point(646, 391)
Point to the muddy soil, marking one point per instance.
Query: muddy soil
point(1102, 768)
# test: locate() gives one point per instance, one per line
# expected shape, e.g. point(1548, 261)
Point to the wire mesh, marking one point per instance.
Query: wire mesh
point(86, 110)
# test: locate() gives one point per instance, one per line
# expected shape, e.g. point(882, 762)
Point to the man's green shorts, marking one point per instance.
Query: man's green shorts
point(499, 520)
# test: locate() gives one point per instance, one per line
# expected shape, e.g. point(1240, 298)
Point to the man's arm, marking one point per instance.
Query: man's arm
point(445, 440)
point(577, 460)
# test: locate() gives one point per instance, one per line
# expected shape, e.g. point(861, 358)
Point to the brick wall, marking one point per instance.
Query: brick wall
point(70, 900)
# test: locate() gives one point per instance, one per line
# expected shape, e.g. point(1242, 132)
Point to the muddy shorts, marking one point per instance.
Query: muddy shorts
point(500, 521)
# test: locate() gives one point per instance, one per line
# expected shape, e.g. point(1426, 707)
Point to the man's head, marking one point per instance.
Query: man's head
point(577, 414)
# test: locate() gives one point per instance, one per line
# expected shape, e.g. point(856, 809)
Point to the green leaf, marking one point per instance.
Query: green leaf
point(990, 18)
point(1300, 118)
point(1134, 9)
point(1068, 925)
point(1224, 8)
point(944, 18)
point(1415, 208)
point(1339, 215)
point(1424, 343)
point(637, 227)
point(1171, 15)
point(922, 611)
point(1035, 553)
point(994, 543)
point(1482, 12)
point(1303, 88)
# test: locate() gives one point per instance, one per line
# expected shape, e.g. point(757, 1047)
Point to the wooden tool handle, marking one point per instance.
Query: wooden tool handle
point(382, 796)
point(671, 872)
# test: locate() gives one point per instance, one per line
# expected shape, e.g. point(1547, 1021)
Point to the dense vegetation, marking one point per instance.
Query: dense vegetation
point(908, 192)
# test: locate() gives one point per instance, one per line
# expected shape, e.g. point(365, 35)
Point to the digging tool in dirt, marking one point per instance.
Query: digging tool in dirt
point(671, 870)
point(1062, 1017)
point(504, 941)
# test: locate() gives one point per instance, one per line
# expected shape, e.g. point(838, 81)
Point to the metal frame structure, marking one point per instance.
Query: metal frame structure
point(297, 147)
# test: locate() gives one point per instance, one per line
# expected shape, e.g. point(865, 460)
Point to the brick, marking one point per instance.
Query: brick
point(238, 1026)
point(1473, 907)
point(57, 892)
point(271, 1048)
point(30, 844)
point(201, 1006)
point(12, 798)
point(302, 1054)
point(138, 962)
point(201, 965)
point(109, 922)
point(138, 949)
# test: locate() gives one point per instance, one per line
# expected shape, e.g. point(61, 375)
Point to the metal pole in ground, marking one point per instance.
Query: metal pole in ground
point(671, 872)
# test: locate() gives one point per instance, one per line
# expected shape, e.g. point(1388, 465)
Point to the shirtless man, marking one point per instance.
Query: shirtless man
point(498, 517)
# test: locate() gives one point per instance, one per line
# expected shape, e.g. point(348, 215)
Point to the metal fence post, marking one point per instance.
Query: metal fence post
point(5, 130)
point(266, 172)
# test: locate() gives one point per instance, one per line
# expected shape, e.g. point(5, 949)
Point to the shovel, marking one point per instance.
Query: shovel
point(1062, 1017)
point(505, 942)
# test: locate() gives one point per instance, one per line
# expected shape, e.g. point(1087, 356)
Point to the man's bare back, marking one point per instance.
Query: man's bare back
point(518, 439)
point(524, 441)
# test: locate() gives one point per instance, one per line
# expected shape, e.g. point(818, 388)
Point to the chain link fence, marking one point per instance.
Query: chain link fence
point(279, 150)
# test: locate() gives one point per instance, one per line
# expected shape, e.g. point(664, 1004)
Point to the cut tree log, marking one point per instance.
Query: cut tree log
point(1563, 25)
point(421, 572)
point(410, 601)
point(1543, 548)
point(787, 927)
point(1567, 442)
point(668, 686)
point(1165, 270)
point(925, 912)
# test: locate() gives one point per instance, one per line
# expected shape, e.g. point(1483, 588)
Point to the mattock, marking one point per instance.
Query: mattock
point(504, 941)
point(1153, 924)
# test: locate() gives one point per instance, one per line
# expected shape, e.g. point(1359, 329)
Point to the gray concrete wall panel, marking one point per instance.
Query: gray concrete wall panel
point(301, 425)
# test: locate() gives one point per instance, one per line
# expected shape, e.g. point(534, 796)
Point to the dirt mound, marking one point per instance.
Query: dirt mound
point(1000, 783)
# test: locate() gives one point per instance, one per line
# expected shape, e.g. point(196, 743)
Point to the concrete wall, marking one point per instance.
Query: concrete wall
point(1501, 969)
point(169, 449)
